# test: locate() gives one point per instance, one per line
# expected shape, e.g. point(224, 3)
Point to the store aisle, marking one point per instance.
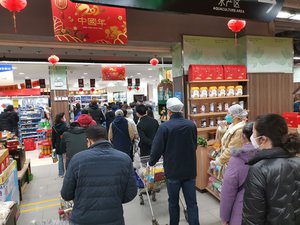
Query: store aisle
point(41, 202)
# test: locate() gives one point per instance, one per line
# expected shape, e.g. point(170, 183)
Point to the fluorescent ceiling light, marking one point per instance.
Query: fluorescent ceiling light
point(14, 68)
point(138, 73)
point(82, 77)
point(297, 58)
point(85, 73)
point(284, 15)
point(295, 17)
point(27, 77)
point(21, 73)
point(150, 69)
point(150, 76)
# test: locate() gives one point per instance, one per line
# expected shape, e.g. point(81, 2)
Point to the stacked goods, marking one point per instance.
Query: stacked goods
point(4, 160)
point(214, 91)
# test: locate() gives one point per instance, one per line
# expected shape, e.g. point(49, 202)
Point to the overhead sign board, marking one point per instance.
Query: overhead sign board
point(262, 10)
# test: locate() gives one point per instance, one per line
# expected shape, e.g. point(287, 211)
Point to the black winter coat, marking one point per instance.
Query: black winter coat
point(176, 140)
point(97, 114)
point(9, 121)
point(147, 128)
point(272, 189)
point(73, 141)
point(57, 132)
point(99, 181)
point(110, 116)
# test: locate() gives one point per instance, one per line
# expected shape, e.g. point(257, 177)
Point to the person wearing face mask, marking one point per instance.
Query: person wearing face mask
point(272, 188)
point(57, 131)
point(233, 136)
point(231, 204)
point(99, 180)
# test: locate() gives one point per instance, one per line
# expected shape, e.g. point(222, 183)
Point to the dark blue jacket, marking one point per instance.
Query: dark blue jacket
point(176, 140)
point(99, 181)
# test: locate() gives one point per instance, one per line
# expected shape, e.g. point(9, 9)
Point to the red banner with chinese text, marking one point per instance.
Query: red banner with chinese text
point(113, 72)
point(83, 23)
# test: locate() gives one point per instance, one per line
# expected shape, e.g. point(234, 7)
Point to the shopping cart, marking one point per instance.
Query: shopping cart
point(65, 210)
point(150, 180)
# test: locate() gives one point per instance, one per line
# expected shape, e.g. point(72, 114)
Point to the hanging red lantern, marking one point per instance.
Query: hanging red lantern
point(53, 59)
point(154, 61)
point(236, 26)
point(129, 88)
point(92, 89)
point(137, 88)
point(80, 90)
point(14, 6)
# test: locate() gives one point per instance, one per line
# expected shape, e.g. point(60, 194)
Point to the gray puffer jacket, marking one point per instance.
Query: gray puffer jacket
point(99, 181)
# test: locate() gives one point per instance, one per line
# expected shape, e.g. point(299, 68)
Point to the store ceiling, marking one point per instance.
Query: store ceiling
point(146, 73)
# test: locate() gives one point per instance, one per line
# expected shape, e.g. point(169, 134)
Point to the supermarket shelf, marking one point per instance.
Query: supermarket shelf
point(216, 81)
point(34, 118)
point(207, 129)
point(213, 193)
point(208, 114)
point(210, 174)
point(216, 98)
point(29, 128)
point(32, 136)
point(26, 124)
point(28, 133)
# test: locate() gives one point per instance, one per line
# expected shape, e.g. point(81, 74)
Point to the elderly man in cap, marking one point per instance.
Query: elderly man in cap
point(176, 141)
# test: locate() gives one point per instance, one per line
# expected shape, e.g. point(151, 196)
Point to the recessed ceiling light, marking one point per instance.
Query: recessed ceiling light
point(21, 73)
point(138, 73)
point(85, 73)
point(27, 77)
point(150, 69)
point(82, 77)
point(296, 58)
point(150, 76)
point(284, 15)
point(131, 76)
point(14, 67)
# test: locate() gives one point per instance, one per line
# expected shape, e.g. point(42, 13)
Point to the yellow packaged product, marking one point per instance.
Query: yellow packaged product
point(203, 92)
point(213, 91)
point(239, 90)
point(195, 92)
point(221, 91)
point(230, 91)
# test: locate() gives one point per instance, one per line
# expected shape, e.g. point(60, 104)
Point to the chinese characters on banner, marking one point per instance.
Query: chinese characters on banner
point(113, 72)
point(76, 22)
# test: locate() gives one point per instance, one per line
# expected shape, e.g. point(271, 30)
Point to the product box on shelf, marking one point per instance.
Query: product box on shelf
point(3, 160)
point(205, 72)
point(235, 72)
point(292, 119)
point(241, 72)
point(12, 144)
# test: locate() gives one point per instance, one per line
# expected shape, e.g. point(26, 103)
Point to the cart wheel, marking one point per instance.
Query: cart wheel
point(154, 222)
point(186, 215)
point(153, 196)
point(142, 200)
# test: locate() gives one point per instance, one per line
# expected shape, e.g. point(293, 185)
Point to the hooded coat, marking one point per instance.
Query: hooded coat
point(97, 114)
point(85, 120)
point(9, 121)
point(232, 194)
point(57, 132)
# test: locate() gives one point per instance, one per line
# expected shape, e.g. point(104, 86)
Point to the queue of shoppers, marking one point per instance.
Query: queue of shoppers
point(261, 182)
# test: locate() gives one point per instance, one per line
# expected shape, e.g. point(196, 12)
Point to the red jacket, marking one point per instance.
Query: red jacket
point(86, 120)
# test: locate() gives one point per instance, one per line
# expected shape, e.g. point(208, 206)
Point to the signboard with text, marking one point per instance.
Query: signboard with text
point(83, 23)
point(6, 74)
point(263, 10)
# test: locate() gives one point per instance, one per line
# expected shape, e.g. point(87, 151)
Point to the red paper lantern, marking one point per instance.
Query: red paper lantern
point(53, 59)
point(92, 89)
point(154, 61)
point(129, 88)
point(14, 6)
point(236, 26)
point(137, 88)
point(80, 90)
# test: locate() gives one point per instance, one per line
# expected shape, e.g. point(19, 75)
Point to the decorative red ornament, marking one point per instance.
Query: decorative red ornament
point(137, 88)
point(53, 59)
point(129, 88)
point(236, 26)
point(80, 90)
point(92, 89)
point(154, 61)
point(14, 6)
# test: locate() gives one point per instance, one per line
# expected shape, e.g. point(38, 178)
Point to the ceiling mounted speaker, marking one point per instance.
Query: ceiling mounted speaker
point(137, 82)
point(28, 84)
point(81, 83)
point(92, 83)
point(129, 82)
point(42, 83)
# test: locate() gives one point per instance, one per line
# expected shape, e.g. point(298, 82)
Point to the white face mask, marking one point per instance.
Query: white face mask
point(254, 142)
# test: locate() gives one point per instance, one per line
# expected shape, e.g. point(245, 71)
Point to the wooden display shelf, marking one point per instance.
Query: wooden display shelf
point(218, 98)
point(210, 174)
point(208, 114)
point(207, 129)
point(213, 193)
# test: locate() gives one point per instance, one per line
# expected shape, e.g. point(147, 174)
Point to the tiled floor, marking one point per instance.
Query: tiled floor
point(40, 200)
